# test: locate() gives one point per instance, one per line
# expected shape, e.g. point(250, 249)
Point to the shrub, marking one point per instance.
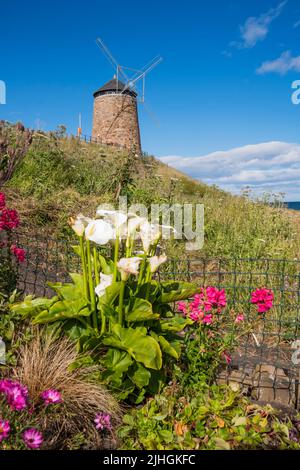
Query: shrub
point(205, 418)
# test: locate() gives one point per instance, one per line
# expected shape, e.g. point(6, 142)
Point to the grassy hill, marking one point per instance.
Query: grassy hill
point(60, 177)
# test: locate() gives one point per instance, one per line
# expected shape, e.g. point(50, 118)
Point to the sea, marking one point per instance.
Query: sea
point(294, 205)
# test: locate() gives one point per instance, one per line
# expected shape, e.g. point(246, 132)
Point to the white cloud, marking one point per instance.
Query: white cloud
point(285, 63)
point(256, 28)
point(265, 167)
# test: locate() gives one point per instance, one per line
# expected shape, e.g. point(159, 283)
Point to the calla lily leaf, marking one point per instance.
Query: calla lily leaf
point(137, 343)
point(173, 291)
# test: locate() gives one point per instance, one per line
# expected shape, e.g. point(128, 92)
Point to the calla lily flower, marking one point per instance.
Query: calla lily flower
point(105, 281)
point(156, 261)
point(100, 232)
point(117, 218)
point(149, 233)
point(79, 224)
point(128, 266)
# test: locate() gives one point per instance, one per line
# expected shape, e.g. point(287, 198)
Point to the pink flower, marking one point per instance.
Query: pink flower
point(51, 396)
point(32, 438)
point(9, 219)
point(2, 201)
point(216, 298)
point(16, 394)
point(4, 429)
point(240, 317)
point(208, 319)
point(196, 315)
point(227, 357)
point(18, 252)
point(103, 421)
point(181, 306)
point(263, 298)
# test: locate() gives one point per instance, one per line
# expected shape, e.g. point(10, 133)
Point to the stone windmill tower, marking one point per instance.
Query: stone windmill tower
point(115, 118)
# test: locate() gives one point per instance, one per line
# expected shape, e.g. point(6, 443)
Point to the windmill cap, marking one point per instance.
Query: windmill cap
point(113, 86)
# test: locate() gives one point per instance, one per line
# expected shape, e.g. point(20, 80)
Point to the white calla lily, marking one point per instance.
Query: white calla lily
point(156, 261)
point(117, 218)
point(128, 266)
point(149, 233)
point(100, 232)
point(105, 281)
point(79, 224)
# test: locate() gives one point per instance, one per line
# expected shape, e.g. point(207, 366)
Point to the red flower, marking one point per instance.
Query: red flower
point(263, 298)
point(2, 201)
point(18, 252)
point(9, 219)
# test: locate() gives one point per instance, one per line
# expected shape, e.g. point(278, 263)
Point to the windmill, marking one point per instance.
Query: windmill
point(115, 120)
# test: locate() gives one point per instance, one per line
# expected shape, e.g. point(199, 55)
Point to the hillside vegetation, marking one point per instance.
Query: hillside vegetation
point(60, 177)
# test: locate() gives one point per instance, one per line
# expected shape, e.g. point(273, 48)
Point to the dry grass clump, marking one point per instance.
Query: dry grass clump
point(44, 363)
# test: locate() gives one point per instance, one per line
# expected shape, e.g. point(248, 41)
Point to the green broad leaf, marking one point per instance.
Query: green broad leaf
point(69, 291)
point(31, 307)
point(62, 310)
point(153, 291)
point(137, 343)
point(117, 361)
point(141, 376)
point(221, 444)
point(110, 294)
point(166, 436)
point(239, 421)
point(74, 329)
point(172, 291)
point(83, 361)
point(107, 265)
point(176, 323)
point(141, 311)
point(167, 347)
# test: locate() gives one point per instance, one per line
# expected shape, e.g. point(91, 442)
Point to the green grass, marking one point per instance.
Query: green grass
point(60, 177)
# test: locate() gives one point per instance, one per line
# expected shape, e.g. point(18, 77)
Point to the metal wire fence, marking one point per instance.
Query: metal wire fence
point(266, 362)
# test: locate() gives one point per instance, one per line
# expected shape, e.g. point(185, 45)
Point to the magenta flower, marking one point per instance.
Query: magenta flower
point(32, 438)
point(4, 429)
point(216, 298)
point(16, 394)
point(181, 306)
point(51, 396)
point(208, 319)
point(196, 315)
point(240, 317)
point(2, 201)
point(9, 219)
point(263, 298)
point(18, 252)
point(103, 421)
point(227, 357)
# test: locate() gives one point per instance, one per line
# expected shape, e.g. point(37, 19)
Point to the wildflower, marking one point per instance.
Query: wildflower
point(156, 261)
point(216, 298)
point(263, 298)
point(32, 438)
point(129, 266)
point(208, 319)
point(2, 201)
point(105, 281)
point(51, 396)
point(196, 315)
point(18, 252)
point(99, 231)
point(16, 394)
point(9, 219)
point(182, 307)
point(227, 357)
point(240, 317)
point(103, 421)
point(4, 429)
point(79, 224)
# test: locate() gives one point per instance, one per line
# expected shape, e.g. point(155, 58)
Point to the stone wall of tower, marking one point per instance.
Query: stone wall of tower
point(115, 121)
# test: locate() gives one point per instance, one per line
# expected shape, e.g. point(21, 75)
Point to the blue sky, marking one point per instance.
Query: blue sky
point(222, 93)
